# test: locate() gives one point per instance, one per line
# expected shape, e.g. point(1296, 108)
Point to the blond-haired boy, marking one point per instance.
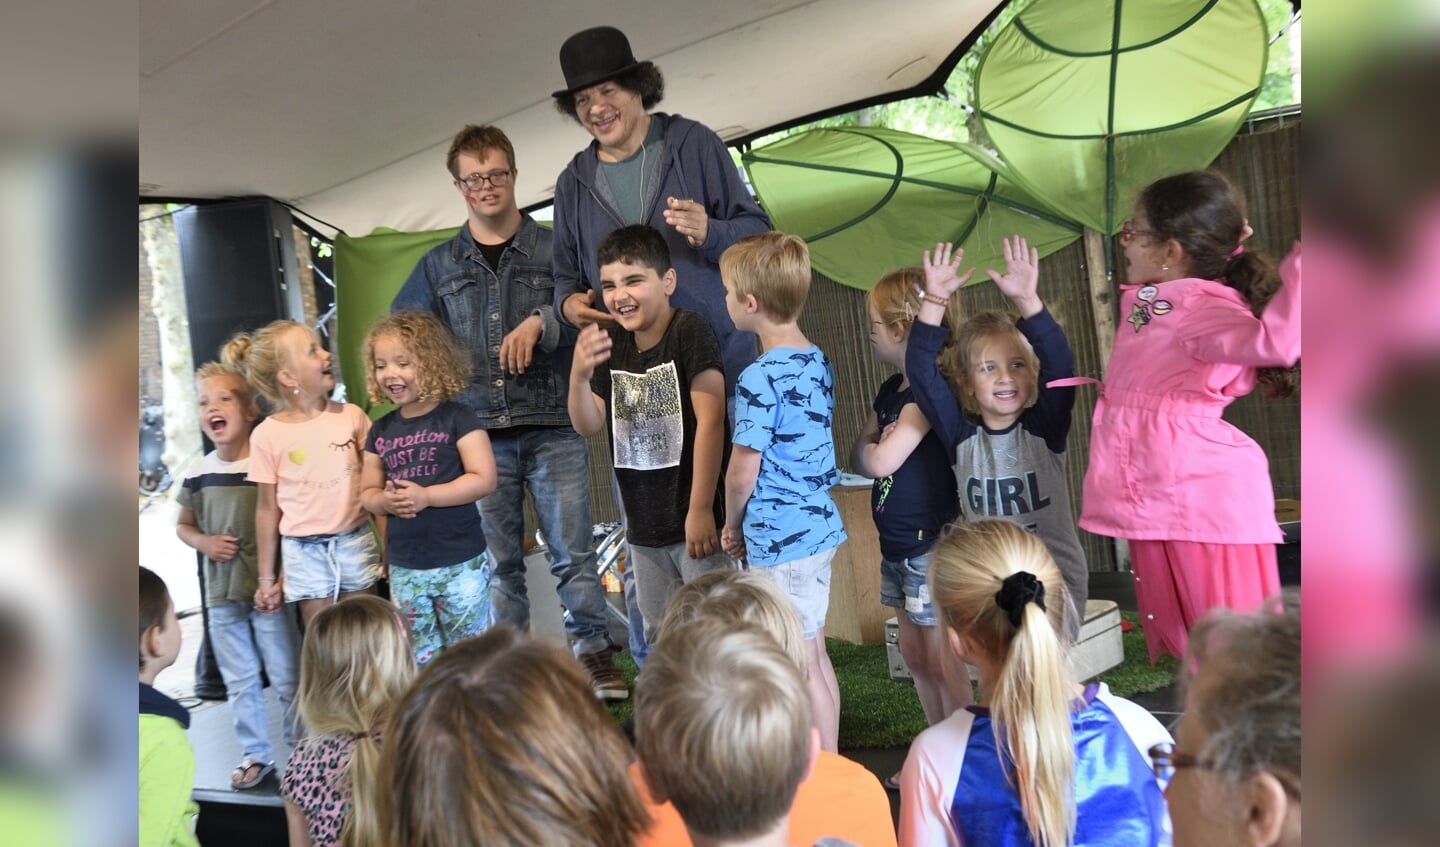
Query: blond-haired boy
point(723, 732)
point(839, 798)
point(217, 518)
point(779, 515)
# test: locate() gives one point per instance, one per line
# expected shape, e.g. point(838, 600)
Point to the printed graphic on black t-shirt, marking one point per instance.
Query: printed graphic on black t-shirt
point(649, 427)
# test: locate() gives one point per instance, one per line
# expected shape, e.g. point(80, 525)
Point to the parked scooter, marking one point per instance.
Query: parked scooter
point(154, 476)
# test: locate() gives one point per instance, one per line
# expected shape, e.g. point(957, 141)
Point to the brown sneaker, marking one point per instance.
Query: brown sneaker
point(605, 677)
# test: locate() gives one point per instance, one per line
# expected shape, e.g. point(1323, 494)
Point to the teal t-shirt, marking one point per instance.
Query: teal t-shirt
point(633, 182)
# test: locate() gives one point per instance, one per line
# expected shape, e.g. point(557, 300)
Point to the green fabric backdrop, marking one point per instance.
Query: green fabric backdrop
point(368, 272)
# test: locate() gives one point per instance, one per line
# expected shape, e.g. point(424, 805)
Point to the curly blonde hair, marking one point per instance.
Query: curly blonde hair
point(443, 368)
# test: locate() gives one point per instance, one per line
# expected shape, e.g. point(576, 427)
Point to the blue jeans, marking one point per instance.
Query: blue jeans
point(245, 640)
point(553, 463)
point(903, 586)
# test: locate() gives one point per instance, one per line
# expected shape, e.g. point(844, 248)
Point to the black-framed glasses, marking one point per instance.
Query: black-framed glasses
point(1165, 761)
point(475, 182)
point(1128, 233)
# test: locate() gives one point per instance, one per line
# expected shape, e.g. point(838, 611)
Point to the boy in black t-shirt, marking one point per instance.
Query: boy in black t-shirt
point(658, 372)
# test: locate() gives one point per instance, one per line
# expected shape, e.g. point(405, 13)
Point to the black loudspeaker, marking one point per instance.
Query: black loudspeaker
point(240, 269)
point(241, 272)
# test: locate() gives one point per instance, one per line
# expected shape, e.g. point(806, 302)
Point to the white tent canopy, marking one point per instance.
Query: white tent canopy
point(345, 109)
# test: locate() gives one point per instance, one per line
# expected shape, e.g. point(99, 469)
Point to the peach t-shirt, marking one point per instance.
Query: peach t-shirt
point(315, 468)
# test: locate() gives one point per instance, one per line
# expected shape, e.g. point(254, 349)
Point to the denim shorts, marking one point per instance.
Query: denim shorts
point(902, 585)
point(318, 566)
point(807, 583)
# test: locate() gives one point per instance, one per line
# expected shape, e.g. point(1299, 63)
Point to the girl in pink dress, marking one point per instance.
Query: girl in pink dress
point(1204, 322)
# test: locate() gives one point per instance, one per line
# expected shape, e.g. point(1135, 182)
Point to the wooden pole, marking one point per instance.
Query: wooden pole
point(1102, 294)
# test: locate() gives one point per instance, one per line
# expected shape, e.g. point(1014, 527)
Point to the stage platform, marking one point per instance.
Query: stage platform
point(217, 752)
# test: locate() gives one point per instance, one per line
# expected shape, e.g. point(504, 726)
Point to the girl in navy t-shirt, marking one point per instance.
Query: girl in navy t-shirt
point(913, 496)
point(426, 463)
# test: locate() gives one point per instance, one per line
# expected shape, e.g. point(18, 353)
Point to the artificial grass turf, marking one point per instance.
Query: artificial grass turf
point(1136, 675)
point(876, 711)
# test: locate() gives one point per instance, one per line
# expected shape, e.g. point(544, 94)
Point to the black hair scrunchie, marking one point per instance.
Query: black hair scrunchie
point(1017, 590)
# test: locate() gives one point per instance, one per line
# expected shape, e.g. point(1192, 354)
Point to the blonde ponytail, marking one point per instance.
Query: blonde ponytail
point(259, 356)
point(1031, 710)
point(971, 571)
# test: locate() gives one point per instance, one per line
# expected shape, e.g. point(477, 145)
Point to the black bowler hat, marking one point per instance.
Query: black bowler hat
point(591, 56)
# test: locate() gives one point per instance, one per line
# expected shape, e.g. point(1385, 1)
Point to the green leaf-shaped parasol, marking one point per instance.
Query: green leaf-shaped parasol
point(1087, 101)
point(869, 200)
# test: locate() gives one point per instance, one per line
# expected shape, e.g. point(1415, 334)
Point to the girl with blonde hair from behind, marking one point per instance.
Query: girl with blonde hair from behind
point(502, 743)
point(1040, 760)
point(355, 665)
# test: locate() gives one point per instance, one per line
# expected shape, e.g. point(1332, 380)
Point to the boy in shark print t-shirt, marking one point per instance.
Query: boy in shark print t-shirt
point(779, 515)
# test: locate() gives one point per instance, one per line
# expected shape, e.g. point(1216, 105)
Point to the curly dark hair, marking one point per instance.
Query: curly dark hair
point(644, 79)
point(1204, 212)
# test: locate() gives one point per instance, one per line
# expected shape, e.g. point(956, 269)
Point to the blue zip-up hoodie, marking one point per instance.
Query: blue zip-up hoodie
point(696, 166)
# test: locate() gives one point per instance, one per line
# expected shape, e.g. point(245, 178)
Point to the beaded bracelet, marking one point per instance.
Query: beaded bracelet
point(935, 298)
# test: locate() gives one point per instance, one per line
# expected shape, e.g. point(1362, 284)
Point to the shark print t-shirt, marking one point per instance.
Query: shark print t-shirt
point(315, 468)
point(784, 402)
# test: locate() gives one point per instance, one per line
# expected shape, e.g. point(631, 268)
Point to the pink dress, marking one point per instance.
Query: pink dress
point(1164, 466)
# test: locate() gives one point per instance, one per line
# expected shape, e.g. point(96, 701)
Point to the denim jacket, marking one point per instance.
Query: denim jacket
point(480, 306)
